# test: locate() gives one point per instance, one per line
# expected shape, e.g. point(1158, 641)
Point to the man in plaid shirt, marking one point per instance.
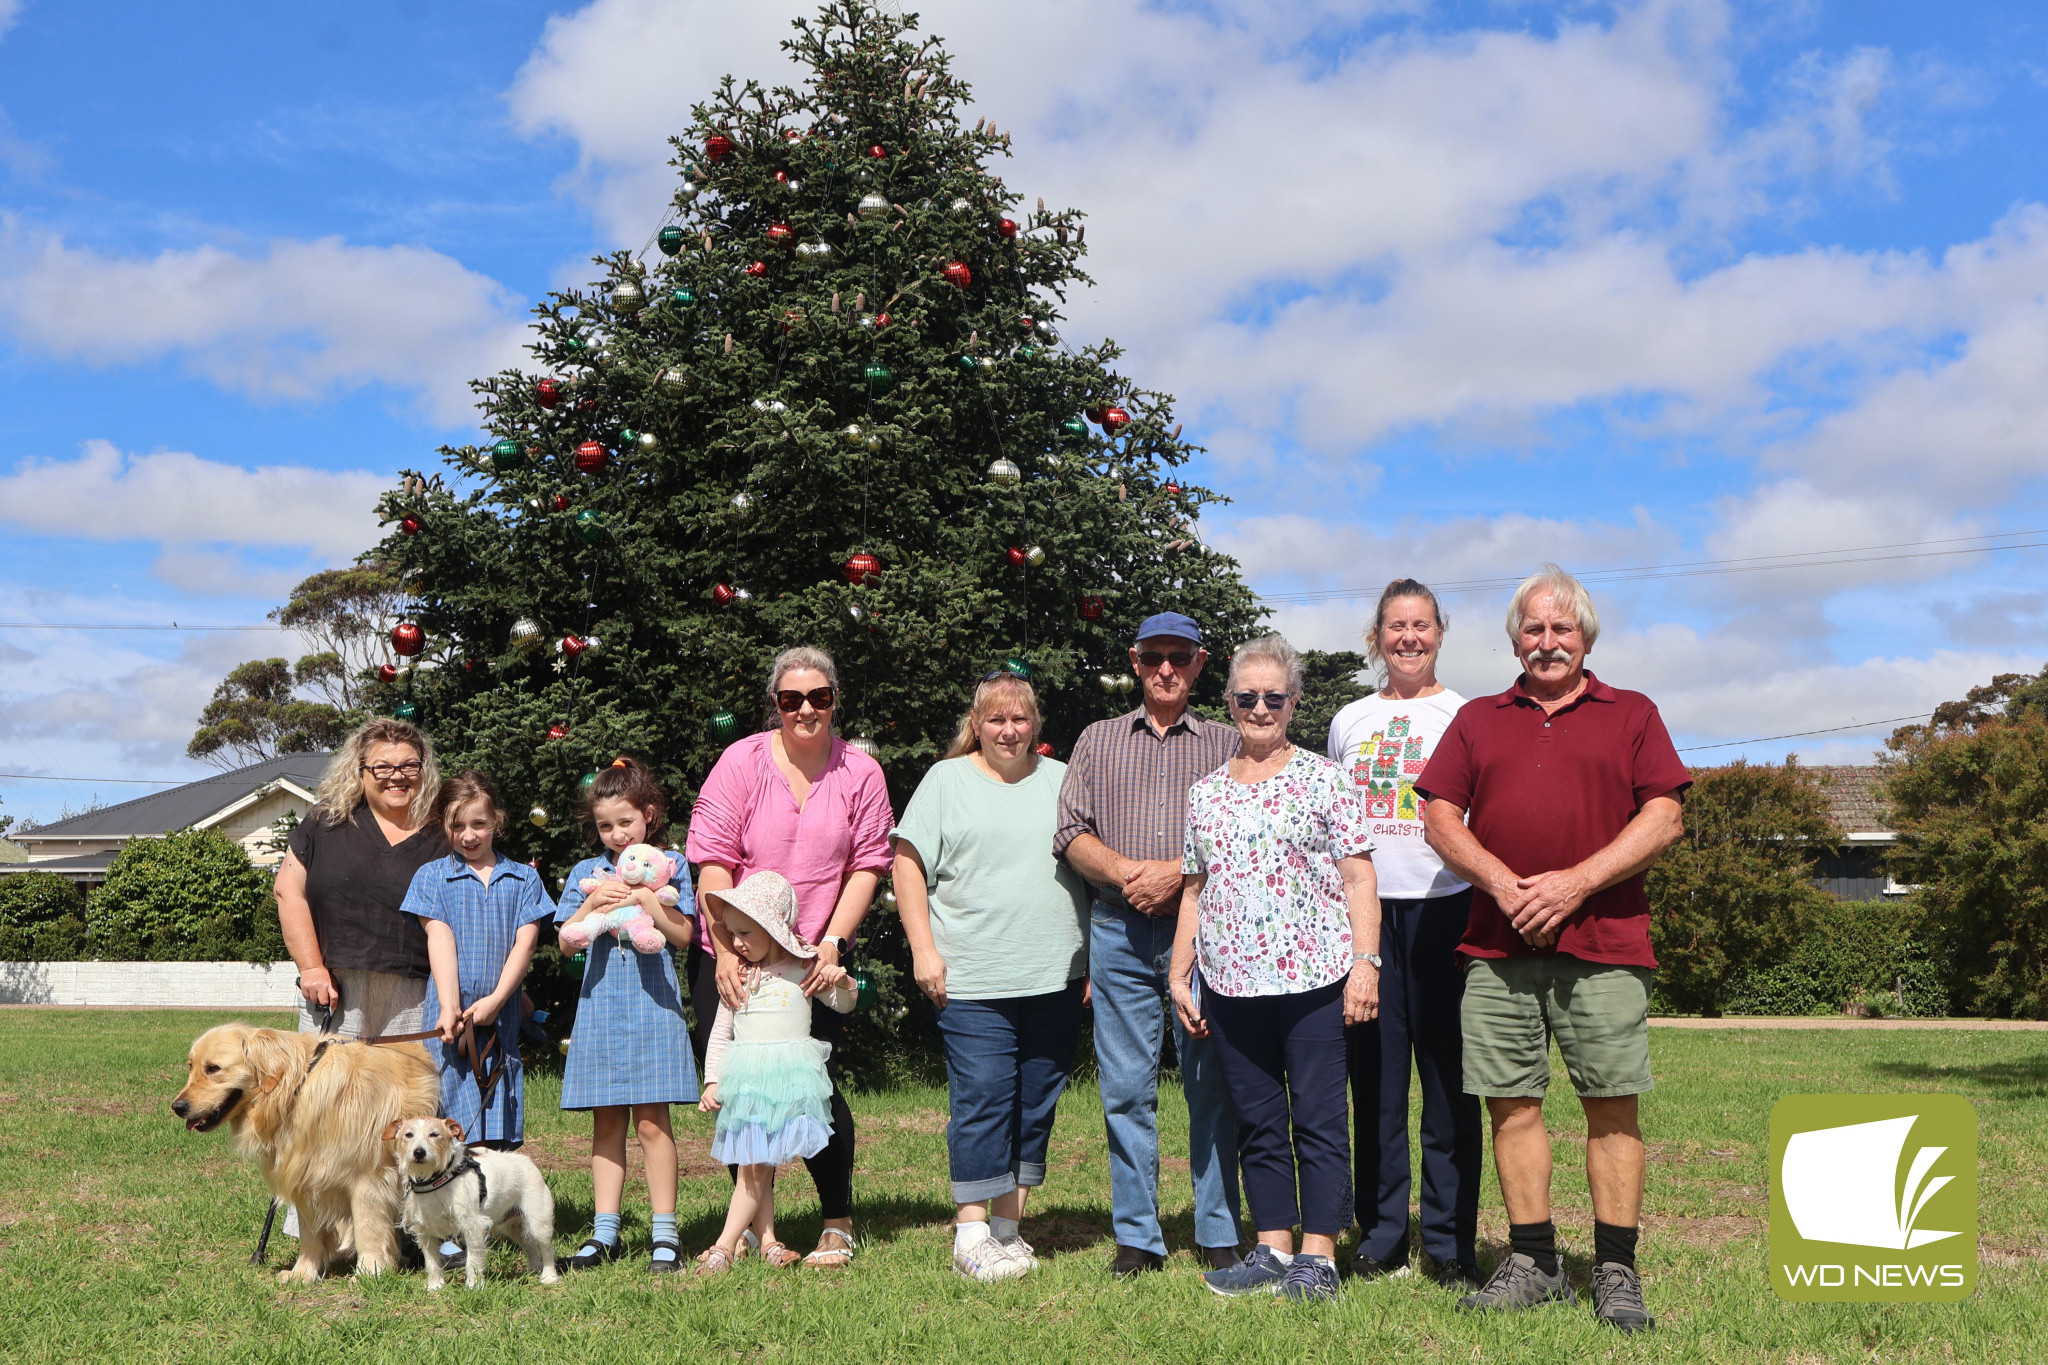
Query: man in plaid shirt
point(1123, 808)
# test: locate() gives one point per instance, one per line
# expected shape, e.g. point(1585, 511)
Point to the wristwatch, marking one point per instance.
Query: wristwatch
point(1373, 958)
point(840, 943)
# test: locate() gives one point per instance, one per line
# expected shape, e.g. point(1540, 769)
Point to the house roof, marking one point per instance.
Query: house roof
point(182, 807)
point(78, 867)
point(1855, 798)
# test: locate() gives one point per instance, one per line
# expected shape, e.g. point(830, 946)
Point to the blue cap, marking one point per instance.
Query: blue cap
point(1170, 623)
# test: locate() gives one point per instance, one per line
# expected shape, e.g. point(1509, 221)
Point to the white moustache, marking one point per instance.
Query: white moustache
point(1550, 656)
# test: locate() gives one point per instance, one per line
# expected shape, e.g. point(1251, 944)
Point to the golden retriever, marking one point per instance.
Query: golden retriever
point(312, 1111)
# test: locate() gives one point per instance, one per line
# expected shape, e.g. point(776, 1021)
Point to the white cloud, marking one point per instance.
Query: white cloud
point(177, 499)
point(299, 322)
point(10, 14)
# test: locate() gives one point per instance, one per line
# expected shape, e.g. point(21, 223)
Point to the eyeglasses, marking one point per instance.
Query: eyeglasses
point(792, 700)
point(384, 772)
point(1246, 701)
point(1179, 658)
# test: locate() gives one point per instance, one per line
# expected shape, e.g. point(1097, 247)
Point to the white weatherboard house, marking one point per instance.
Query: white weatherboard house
point(243, 804)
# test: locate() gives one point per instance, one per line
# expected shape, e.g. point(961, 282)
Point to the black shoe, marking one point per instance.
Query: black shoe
point(1132, 1262)
point(1217, 1258)
point(455, 1260)
point(1618, 1297)
point(596, 1253)
point(409, 1257)
point(670, 1264)
point(1457, 1276)
point(1365, 1267)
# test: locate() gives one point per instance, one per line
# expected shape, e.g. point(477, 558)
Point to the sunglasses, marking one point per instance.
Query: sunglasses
point(791, 700)
point(1179, 658)
point(385, 772)
point(1246, 701)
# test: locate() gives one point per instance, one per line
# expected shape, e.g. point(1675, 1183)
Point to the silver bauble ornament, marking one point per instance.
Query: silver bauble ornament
point(628, 296)
point(961, 206)
point(986, 363)
point(539, 816)
point(1047, 330)
point(525, 633)
point(675, 383)
point(873, 205)
point(743, 505)
point(866, 746)
point(889, 897)
point(1004, 471)
point(1106, 681)
point(1052, 460)
point(1126, 683)
point(872, 443)
point(853, 434)
point(770, 405)
point(688, 190)
point(648, 442)
point(815, 251)
point(1034, 555)
point(742, 595)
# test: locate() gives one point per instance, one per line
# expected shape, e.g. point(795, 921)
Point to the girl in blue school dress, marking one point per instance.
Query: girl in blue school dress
point(482, 914)
point(629, 1055)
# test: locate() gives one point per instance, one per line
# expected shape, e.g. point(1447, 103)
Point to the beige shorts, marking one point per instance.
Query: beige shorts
point(372, 1005)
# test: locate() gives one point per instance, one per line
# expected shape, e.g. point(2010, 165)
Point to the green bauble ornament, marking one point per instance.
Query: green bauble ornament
point(585, 783)
point(1027, 352)
point(966, 364)
point(589, 527)
point(863, 992)
point(684, 298)
point(507, 456)
point(405, 710)
point(725, 727)
point(670, 240)
point(1017, 668)
point(879, 379)
point(1075, 428)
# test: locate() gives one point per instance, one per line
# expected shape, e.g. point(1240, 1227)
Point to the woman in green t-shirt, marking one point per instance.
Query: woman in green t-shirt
point(996, 925)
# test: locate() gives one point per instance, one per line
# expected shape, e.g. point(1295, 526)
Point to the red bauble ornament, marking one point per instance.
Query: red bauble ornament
point(1015, 556)
point(781, 234)
point(958, 273)
point(1115, 420)
point(718, 146)
point(561, 502)
point(472, 665)
point(863, 568)
point(407, 639)
point(1173, 490)
point(1007, 226)
point(558, 732)
point(757, 269)
point(410, 525)
point(590, 457)
point(881, 320)
point(1093, 414)
point(387, 674)
point(587, 405)
point(1026, 321)
point(782, 177)
point(549, 392)
point(573, 646)
point(721, 593)
point(1091, 609)
point(1044, 749)
point(878, 153)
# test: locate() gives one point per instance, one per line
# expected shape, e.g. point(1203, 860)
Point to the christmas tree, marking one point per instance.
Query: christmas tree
point(828, 403)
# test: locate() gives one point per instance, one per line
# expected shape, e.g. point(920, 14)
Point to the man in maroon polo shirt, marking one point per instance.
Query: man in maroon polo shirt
point(1573, 790)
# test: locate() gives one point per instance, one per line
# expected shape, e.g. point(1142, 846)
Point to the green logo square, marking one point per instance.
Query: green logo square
point(1873, 1198)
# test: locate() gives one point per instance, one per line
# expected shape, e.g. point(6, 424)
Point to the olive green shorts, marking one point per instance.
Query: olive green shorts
point(1599, 1013)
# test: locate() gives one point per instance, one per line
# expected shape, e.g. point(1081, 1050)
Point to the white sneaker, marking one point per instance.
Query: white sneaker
point(1023, 1251)
point(989, 1262)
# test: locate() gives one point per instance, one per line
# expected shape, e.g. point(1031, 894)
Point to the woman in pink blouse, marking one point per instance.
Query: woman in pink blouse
point(799, 801)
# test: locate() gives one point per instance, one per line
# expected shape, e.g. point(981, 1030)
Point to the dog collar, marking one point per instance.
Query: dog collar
point(459, 1169)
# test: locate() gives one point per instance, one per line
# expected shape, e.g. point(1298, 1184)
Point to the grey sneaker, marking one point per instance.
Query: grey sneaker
point(1517, 1283)
point(1309, 1279)
point(1618, 1297)
point(1259, 1273)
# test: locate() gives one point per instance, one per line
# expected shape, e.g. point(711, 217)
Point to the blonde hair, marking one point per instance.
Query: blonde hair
point(1560, 587)
point(1394, 592)
point(341, 785)
point(463, 788)
point(989, 695)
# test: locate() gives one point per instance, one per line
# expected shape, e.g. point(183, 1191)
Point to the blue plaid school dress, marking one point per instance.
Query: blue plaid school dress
point(631, 1044)
point(485, 920)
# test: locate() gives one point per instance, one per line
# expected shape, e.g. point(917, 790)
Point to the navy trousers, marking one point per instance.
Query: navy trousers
point(1283, 1059)
point(1420, 988)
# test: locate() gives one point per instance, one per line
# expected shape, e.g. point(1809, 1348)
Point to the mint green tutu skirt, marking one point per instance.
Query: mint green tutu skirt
point(775, 1102)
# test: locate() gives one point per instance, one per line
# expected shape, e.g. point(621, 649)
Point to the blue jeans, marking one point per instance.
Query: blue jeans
point(1128, 956)
point(1006, 1063)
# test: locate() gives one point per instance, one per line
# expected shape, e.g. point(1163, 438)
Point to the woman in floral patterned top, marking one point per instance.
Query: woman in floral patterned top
point(1279, 910)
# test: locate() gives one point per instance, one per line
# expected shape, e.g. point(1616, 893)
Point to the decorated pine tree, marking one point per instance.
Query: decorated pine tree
point(830, 403)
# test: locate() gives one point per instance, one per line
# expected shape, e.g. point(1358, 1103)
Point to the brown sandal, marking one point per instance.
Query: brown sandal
point(831, 1258)
point(779, 1256)
point(749, 1244)
point(715, 1260)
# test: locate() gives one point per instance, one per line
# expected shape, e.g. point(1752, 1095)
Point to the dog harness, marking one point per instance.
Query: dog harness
point(452, 1174)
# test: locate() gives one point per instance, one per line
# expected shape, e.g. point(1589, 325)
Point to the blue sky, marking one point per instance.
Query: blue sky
point(1448, 289)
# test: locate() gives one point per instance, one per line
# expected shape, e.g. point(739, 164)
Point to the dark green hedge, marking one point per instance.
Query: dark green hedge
point(1851, 951)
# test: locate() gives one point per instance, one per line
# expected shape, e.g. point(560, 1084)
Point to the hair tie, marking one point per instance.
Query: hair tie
point(618, 763)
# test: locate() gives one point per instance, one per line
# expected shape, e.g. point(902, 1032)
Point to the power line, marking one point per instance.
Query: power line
point(134, 781)
point(1703, 568)
point(1802, 734)
point(74, 625)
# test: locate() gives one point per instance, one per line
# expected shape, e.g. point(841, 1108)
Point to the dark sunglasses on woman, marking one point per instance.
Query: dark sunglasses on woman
point(820, 699)
point(1245, 701)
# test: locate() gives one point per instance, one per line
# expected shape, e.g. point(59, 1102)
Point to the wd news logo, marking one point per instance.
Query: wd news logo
point(1873, 1198)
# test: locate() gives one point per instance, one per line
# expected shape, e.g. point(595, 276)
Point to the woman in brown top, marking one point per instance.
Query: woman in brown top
point(346, 872)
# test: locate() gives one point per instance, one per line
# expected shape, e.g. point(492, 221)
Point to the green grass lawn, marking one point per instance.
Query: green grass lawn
point(124, 1237)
